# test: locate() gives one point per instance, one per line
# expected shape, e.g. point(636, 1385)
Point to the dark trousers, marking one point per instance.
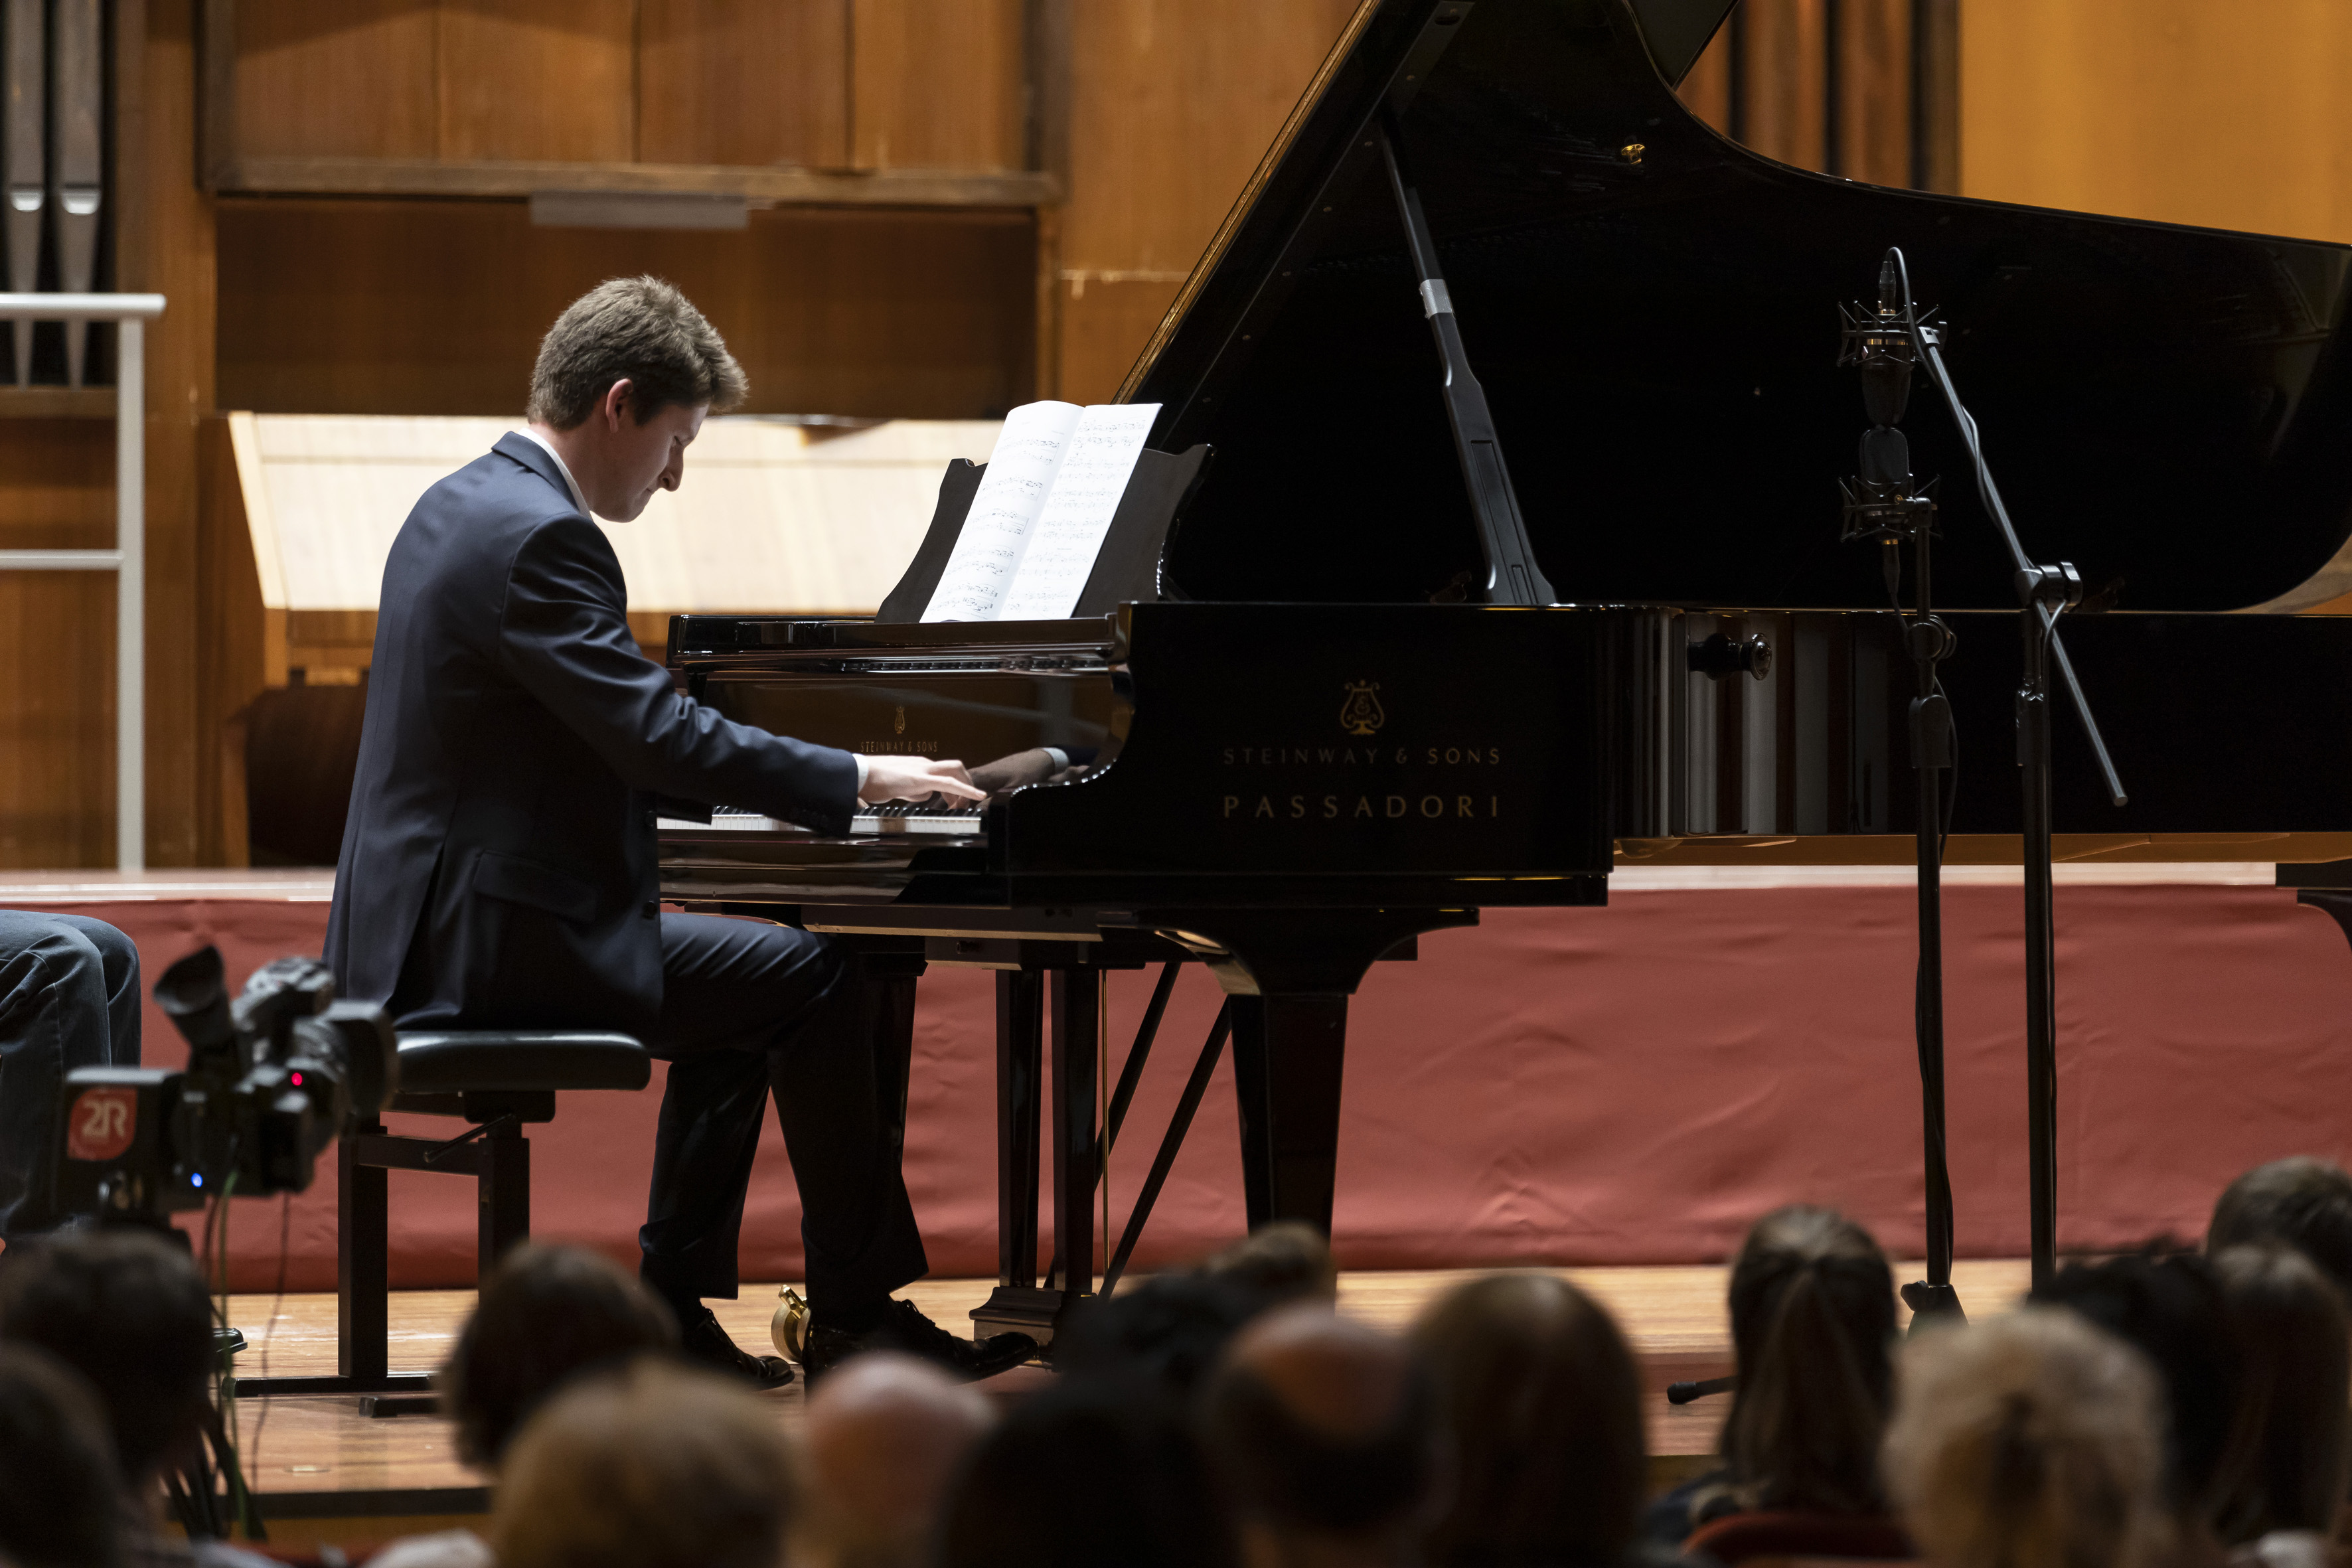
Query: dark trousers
point(68, 998)
point(751, 1010)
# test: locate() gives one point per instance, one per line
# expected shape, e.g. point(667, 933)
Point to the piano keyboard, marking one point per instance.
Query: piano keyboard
point(959, 821)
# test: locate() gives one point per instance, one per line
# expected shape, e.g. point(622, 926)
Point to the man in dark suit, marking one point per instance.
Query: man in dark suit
point(499, 870)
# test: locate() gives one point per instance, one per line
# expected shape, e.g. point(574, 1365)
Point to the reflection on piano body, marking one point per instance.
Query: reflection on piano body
point(1301, 762)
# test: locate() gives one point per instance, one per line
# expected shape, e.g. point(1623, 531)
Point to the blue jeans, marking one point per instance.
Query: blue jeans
point(68, 998)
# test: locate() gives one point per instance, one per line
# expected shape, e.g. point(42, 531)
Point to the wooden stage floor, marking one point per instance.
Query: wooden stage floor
point(326, 1473)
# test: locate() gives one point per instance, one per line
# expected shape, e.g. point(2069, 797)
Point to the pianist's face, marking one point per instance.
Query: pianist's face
point(639, 460)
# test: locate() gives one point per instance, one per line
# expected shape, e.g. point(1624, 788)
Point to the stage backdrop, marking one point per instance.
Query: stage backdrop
point(1628, 1085)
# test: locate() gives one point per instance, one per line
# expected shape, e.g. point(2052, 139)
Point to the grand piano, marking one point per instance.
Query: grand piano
point(1412, 651)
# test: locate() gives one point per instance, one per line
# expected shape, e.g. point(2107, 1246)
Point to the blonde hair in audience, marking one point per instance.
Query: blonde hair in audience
point(656, 1466)
point(2028, 1441)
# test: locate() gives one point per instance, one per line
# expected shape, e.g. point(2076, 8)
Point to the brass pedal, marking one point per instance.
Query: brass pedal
point(789, 1327)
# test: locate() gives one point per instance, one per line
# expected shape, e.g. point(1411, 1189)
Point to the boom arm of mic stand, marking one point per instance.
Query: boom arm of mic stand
point(1931, 351)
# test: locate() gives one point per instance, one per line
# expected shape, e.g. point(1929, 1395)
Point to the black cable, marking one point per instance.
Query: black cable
point(277, 1304)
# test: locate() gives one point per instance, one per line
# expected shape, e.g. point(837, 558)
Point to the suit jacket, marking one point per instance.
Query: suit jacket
point(498, 867)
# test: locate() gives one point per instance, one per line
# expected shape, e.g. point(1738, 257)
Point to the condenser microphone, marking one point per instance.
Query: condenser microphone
point(1882, 343)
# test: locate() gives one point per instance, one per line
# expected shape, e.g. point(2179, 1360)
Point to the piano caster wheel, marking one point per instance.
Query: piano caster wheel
point(789, 1327)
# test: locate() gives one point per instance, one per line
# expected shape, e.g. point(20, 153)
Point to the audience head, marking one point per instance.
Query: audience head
point(1325, 1431)
point(1169, 1330)
point(886, 1436)
point(128, 1311)
point(2169, 1307)
point(1813, 1324)
point(58, 1490)
point(1088, 1471)
point(2303, 1202)
point(1284, 1261)
point(2027, 1441)
point(1538, 1392)
point(547, 1313)
point(649, 1465)
point(2296, 1398)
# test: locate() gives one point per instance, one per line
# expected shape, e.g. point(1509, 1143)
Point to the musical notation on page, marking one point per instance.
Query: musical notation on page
point(1044, 506)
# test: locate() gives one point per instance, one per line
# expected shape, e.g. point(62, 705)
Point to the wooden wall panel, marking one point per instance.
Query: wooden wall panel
point(2233, 116)
point(538, 79)
point(56, 647)
point(744, 82)
point(57, 728)
point(1706, 91)
point(1785, 86)
point(354, 80)
point(178, 262)
point(379, 307)
point(232, 669)
point(1875, 91)
point(56, 484)
point(937, 84)
point(1173, 103)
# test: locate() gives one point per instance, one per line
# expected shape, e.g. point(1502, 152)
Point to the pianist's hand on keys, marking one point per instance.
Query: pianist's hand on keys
point(916, 778)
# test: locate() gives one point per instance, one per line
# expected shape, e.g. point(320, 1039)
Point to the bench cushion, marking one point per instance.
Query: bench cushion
point(454, 1061)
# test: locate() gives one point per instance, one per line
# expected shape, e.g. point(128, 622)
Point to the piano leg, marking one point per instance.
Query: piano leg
point(2334, 903)
point(1288, 1052)
point(888, 980)
point(1288, 974)
point(1077, 996)
point(1018, 1304)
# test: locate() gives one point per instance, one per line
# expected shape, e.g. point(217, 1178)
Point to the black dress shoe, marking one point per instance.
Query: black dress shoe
point(904, 1329)
point(705, 1343)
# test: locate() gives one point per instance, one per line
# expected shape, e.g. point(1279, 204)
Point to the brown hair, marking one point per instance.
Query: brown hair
point(546, 1314)
point(59, 1495)
point(2028, 1441)
point(128, 1312)
point(2303, 1202)
point(641, 330)
point(653, 1465)
point(1540, 1392)
point(1812, 1320)
point(2295, 1400)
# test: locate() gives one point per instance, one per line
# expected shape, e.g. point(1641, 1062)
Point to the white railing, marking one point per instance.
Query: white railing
point(128, 559)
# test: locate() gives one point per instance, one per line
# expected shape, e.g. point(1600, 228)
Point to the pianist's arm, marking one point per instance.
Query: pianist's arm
point(562, 633)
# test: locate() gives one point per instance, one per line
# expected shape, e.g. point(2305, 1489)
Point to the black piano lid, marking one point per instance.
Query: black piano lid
point(2163, 404)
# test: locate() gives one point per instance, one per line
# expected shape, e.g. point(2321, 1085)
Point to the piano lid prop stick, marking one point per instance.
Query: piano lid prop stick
point(1512, 575)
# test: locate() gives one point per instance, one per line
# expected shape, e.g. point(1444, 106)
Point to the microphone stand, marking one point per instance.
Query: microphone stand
point(1883, 504)
point(2043, 594)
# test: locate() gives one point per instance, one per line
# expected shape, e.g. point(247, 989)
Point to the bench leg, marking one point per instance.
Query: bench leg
point(504, 1186)
point(363, 1264)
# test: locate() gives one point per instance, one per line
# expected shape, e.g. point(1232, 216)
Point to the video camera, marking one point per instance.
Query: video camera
point(270, 1080)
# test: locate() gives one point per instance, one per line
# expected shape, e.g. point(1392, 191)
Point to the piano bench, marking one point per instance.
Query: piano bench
point(498, 1079)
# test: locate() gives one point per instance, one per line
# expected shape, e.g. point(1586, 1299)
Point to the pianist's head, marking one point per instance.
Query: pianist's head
point(624, 380)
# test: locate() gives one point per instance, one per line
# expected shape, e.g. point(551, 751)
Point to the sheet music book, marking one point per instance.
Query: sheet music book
point(1051, 487)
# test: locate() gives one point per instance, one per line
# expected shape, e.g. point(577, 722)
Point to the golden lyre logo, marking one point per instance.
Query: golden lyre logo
point(898, 725)
point(1361, 714)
